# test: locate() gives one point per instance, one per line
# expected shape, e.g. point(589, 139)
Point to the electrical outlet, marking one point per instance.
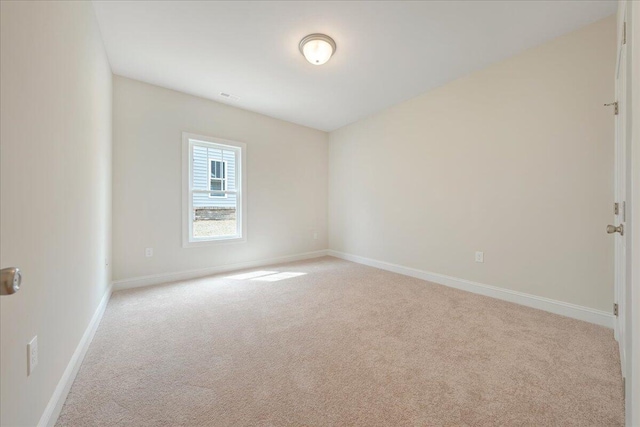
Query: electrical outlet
point(148, 252)
point(315, 235)
point(479, 256)
point(32, 355)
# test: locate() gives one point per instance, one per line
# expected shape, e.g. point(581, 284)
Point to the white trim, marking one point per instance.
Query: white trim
point(622, 151)
point(632, 312)
point(158, 279)
point(240, 149)
point(52, 411)
point(587, 314)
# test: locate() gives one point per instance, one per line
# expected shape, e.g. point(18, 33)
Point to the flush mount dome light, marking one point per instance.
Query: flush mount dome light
point(317, 48)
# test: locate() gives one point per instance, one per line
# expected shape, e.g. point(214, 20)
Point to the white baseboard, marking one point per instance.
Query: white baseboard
point(587, 314)
point(157, 279)
point(52, 411)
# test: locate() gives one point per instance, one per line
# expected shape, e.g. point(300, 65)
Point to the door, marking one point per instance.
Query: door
point(621, 188)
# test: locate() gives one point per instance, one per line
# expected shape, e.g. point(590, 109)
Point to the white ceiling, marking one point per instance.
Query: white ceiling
point(386, 52)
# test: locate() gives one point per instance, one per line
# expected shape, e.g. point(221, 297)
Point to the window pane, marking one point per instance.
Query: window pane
point(217, 169)
point(214, 153)
point(199, 168)
point(216, 184)
point(213, 212)
point(214, 221)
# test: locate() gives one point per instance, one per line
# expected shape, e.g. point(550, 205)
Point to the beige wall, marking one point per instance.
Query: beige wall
point(55, 178)
point(515, 160)
point(286, 181)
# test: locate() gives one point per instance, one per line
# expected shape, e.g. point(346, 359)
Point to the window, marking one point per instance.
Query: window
point(213, 186)
point(217, 177)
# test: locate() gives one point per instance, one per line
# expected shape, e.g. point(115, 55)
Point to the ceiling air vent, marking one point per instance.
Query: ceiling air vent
point(229, 96)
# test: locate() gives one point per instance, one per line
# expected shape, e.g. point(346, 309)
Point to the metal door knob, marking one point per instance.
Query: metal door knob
point(613, 229)
point(10, 279)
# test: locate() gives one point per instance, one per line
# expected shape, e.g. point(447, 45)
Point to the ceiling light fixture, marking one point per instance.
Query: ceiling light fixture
point(317, 48)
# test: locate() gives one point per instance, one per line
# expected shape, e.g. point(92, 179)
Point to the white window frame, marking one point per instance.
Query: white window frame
point(223, 180)
point(240, 148)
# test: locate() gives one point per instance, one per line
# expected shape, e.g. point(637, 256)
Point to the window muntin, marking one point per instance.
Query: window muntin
point(214, 196)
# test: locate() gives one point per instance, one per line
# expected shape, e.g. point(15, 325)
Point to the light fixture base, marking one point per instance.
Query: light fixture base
point(316, 37)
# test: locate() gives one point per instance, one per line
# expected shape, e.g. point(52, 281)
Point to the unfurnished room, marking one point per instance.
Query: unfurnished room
point(319, 213)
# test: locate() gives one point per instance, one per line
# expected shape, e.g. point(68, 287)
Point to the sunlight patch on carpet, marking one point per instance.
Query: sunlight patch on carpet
point(279, 276)
point(251, 275)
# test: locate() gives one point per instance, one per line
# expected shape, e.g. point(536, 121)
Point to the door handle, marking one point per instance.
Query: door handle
point(613, 229)
point(10, 279)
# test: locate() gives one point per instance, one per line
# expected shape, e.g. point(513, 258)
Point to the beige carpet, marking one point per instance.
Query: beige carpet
point(341, 345)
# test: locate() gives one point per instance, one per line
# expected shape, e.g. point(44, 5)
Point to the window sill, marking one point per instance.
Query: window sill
point(213, 242)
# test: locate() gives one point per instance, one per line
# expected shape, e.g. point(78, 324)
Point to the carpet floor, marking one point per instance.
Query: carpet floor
point(327, 342)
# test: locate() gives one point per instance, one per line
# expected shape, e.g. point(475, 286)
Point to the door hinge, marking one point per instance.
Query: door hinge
point(616, 209)
point(615, 309)
point(615, 107)
point(624, 32)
